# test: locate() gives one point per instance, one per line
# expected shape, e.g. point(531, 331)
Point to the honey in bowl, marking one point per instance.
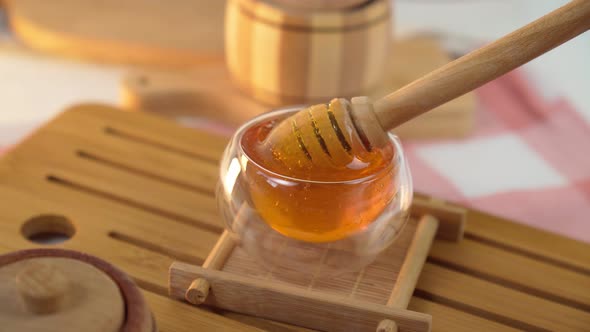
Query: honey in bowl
point(320, 201)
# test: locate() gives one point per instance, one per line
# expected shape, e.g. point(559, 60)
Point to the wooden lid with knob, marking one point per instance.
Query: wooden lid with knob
point(63, 290)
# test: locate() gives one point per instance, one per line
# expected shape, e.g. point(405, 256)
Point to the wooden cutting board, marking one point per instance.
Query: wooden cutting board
point(139, 192)
point(208, 91)
point(180, 32)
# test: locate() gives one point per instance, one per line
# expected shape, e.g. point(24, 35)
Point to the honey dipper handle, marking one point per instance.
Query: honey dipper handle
point(483, 65)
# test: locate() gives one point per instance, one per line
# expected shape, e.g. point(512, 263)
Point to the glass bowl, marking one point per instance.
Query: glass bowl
point(268, 214)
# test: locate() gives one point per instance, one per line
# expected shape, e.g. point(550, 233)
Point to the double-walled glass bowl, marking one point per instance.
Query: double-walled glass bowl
point(325, 228)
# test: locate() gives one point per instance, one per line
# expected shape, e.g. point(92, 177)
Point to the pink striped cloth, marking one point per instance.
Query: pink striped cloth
point(527, 160)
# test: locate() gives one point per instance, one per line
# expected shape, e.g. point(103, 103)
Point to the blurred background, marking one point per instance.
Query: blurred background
point(512, 142)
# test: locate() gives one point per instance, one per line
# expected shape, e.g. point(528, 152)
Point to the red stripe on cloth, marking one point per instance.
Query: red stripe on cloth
point(562, 140)
point(584, 187)
point(506, 104)
point(517, 83)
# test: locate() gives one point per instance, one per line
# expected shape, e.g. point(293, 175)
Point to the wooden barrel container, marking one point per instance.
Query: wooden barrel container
point(65, 290)
point(288, 52)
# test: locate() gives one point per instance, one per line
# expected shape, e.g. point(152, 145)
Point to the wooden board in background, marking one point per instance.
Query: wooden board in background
point(139, 191)
point(207, 91)
point(181, 32)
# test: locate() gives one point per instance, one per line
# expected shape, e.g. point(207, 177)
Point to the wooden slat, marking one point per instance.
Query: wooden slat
point(151, 162)
point(175, 316)
point(547, 280)
point(445, 318)
point(149, 128)
point(534, 242)
point(122, 185)
point(415, 257)
point(499, 303)
point(284, 302)
point(526, 240)
point(451, 218)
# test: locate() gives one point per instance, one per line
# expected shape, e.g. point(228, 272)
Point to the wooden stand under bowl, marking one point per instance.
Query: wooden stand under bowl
point(373, 299)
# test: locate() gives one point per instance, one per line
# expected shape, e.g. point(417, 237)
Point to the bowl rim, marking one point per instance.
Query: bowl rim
point(397, 160)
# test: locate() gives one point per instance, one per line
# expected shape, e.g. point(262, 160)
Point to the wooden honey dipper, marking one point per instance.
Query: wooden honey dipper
point(330, 133)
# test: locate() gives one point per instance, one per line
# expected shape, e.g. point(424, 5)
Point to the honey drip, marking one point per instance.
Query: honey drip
point(318, 200)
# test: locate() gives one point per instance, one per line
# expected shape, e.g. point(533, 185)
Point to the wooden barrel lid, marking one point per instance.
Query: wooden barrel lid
point(285, 16)
point(64, 290)
point(321, 4)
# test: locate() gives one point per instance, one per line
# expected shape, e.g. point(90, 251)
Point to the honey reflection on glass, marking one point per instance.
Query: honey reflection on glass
point(321, 203)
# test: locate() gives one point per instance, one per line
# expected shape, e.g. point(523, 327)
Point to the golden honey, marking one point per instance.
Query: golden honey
point(317, 202)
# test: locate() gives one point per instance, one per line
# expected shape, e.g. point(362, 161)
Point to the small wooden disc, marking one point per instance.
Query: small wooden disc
point(55, 292)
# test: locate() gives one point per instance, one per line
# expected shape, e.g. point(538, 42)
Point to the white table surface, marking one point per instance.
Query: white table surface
point(34, 89)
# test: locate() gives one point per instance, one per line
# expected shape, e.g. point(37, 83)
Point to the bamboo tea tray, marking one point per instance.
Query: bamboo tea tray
point(137, 191)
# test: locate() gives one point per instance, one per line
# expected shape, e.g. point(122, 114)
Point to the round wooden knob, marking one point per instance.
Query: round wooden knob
point(387, 325)
point(42, 287)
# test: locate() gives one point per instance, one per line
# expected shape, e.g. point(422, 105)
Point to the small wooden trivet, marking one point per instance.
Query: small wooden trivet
point(373, 299)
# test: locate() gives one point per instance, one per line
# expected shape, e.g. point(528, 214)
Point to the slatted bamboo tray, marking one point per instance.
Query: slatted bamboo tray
point(139, 192)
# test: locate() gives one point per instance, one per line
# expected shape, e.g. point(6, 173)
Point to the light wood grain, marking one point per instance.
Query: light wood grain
point(452, 218)
point(280, 54)
point(511, 307)
point(483, 65)
point(521, 239)
point(411, 59)
point(178, 316)
point(243, 294)
point(506, 267)
point(220, 253)
point(137, 32)
point(446, 318)
point(207, 91)
point(373, 283)
point(411, 248)
point(265, 324)
point(414, 260)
